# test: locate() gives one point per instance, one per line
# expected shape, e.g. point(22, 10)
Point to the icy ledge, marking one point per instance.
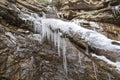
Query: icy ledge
point(93, 38)
point(116, 64)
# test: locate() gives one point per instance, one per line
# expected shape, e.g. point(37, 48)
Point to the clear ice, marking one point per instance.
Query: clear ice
point(46, 32)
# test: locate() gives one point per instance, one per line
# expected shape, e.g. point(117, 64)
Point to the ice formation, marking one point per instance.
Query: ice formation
point(93, 38)
point(60, 15)
point(95, 70)
point(47, 32)
point(91, 24)
point(116, 64)
point(64, 55)
point(79, 59)
point(52, 30)
point(116, 10)
point(109, 77)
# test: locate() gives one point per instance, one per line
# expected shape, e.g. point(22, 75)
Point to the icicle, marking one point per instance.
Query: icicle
point(37, 26)
point(49, 8)
point(54, 8)
point(58, 43)
point(43, 15)
point(52, 38)
point(31, 60)
point(79, 59)
point(64, 55)
point(55, 39)
point(44, 30)
point(48, 34)
point(95, 70)
point(87, 50)
point(109, 77)
point(60, 15)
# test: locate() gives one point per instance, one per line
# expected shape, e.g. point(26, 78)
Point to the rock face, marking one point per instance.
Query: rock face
point(23, 57)
point(93, 10)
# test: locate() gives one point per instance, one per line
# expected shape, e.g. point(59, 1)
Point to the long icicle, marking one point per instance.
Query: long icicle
point(64, 55)
point(79, 59)
point(109, 76)
point(58, 43)
point(95, 70)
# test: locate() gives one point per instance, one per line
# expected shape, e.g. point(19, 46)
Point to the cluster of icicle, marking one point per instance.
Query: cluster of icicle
point(49, 29)
point(46, 33)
